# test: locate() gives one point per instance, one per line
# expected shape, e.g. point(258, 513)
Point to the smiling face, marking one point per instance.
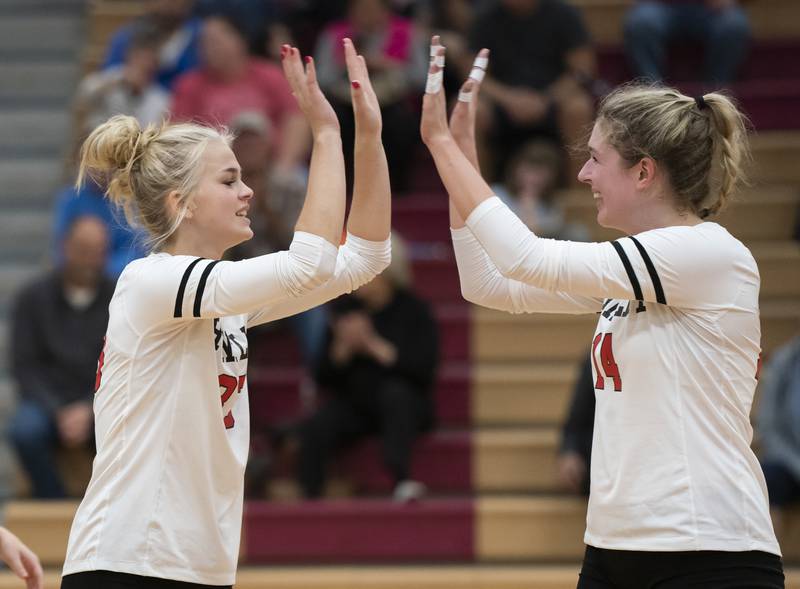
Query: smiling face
point(613, 183)
point(218, 211)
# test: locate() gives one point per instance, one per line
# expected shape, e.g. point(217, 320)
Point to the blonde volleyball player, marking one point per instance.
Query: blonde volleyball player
point(677, 496)
point(164, 505)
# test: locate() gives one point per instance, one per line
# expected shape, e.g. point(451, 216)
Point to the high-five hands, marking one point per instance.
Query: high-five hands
point(434, 126)
point(303, 82)
point(366, 109)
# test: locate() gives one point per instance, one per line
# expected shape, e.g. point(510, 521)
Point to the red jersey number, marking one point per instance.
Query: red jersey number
point(607, 362)
point(100, 361)
point(230, 385)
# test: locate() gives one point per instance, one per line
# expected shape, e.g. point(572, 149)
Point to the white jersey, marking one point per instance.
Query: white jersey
point(171, 406)
point(675, 358)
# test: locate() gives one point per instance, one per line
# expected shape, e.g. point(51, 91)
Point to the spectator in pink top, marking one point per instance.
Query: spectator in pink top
point(230, 81)
point(397, 58)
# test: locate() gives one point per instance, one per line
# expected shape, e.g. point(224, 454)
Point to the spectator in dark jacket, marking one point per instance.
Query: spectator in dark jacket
point(575, 454)
point(58, 324)
point(379, 367)
point(542, 66)
point(779, 429)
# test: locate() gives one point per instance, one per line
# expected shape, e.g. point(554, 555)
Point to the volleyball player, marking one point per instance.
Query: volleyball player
point(164, 505)
point(677, 496)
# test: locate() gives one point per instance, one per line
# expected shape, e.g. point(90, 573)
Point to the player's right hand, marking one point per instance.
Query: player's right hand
point(312, 102)
point(366, 109)
point(21, 560)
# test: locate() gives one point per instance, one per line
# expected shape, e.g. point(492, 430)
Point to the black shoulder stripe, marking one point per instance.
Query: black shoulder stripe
point(182, 288)
point(201, 286)
point(651, 269)
point(637, 288)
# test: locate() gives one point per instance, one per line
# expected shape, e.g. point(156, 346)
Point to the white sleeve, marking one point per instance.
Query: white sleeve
point(358, 262)
point(482, 284)
point(182, 288)
point(679, 266)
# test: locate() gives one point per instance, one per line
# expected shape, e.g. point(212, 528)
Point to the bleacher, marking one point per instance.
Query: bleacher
point(495, 517)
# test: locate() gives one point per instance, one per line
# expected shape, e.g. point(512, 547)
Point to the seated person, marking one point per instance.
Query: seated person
point(58, 324)
point(529, 190)
point(127, 89)
point(379, 367)
point(125, 243)
point(721, 25)
point(179, 33)
point(778, 429)
point(575, 454)
point(540, 80)
point(230, 81)
point(398, 62)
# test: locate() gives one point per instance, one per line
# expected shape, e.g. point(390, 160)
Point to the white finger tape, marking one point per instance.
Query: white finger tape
point(434, 83)
point(481, 62)
point(464, 96)
point(434, 50)
point(477, 74)
point(439, 60)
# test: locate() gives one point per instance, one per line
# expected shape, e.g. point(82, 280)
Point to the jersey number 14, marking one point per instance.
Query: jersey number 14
point(607, 362)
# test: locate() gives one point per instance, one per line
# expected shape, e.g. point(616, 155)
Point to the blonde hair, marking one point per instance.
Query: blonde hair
point(701, 143)
point(140, 167)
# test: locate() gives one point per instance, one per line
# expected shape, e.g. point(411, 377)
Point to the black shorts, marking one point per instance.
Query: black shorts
point(704, 569)
point(112, 580)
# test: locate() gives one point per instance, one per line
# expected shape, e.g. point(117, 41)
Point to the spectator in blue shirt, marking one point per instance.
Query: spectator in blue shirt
point(180, 38)
point(125, 243)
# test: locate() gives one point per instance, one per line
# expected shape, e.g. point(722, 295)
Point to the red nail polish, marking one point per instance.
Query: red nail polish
point(308, 59)
point(356, 84)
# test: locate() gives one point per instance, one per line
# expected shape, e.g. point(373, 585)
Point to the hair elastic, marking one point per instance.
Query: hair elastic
point(701, 102)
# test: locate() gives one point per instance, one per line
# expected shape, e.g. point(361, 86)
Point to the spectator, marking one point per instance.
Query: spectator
point(230, 81)
point(721, 24)
point(58, 323)
point(125, 243)
point(575, 453)
point(179, 38)
point(779, 429)
point(530, 191)
point(397, 61)
point(129, 88)
point(262, 21)
point(379, 366)
point(274, 210)
point(542, 64)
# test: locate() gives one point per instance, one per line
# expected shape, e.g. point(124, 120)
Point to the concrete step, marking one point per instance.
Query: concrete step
point(529, 394)
point(30, 182)
point(41, 34)
point(25, 235)
point(28, 129)
point(54, 80)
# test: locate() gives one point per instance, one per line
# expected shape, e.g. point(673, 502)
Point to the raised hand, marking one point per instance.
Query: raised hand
point(433, 126)
point(366, 109)
point(462, 119)
point(303, 82)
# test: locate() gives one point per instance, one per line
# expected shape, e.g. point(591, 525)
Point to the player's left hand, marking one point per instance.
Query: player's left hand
point(366, 109)
point(21, 560)
point(462, 119)
point(433, 126)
